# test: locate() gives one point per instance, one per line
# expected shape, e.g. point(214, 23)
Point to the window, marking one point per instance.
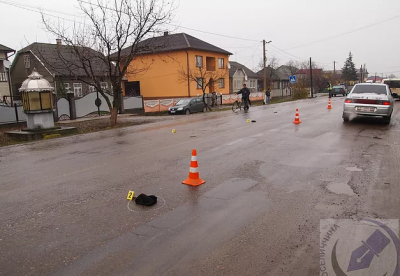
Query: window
point(253, 83)
point(78, 90)
point(221, 63)
point(375, 89)
point(238, 84)
point(66, 86)
point(104, 86)
point(27, 61)
point(393, 83)
point(199, 83)
point(221, 83)
point(199, 61)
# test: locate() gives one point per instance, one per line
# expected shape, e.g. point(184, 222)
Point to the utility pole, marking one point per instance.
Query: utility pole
point(361, 74)
point(265, 64)
point(375, 76)
point(334, 67)
point(264, 68)
point(312, 88)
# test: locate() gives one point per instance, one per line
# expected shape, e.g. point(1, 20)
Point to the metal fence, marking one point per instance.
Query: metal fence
point(213, 100)
point(11, 114)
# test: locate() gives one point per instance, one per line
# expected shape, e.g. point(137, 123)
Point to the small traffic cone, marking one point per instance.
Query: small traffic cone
point(297, 118)
point(194, 178)
point(329, 104)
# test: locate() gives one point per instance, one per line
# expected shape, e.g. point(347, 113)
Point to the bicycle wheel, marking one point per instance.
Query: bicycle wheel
point(235, 106)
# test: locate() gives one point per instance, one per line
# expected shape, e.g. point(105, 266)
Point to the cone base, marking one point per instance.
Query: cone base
point(329, 107)
point(296, 123)
point(193, 182)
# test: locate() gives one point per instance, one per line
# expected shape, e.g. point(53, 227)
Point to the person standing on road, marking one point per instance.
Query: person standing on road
point(268, 96)
point(245, 96)
point(329, 86)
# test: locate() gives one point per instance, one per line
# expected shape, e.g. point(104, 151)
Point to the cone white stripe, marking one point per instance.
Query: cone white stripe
point(193, 170)
point(194, 158)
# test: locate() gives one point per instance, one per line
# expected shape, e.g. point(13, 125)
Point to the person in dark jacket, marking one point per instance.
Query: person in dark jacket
point(245, 96)
point(267, 96)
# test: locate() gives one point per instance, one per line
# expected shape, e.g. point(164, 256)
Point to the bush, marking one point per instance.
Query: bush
point(300, 91)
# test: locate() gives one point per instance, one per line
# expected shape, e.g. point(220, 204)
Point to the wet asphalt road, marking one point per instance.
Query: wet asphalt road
point(64, 209)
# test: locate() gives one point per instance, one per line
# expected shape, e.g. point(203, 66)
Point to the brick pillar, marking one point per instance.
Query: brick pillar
point(72, 106)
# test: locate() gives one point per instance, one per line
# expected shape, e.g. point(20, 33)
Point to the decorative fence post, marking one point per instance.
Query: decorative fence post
point(72, 106)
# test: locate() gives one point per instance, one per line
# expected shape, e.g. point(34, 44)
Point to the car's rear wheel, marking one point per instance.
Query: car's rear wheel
point(187, 112)
point(386, 119)
point(345, 117)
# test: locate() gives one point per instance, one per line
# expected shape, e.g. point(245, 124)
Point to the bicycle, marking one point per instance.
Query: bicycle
point(237, 105)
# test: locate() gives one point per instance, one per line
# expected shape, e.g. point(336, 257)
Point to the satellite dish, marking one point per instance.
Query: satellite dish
point(229, 65)
point(7, 64)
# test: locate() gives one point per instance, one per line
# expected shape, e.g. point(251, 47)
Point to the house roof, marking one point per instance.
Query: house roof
point(307, 71)
point(271, 73)
point(173, 42)
point(236, 65)
point(6, 49)
point(61, 59)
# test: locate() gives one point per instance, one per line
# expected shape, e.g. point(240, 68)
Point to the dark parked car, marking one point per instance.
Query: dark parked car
point(187, 106)
point(339, 90)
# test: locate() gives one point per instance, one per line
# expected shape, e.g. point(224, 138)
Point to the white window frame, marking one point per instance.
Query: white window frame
point(199, 61)
point(78, 93)
point(66, 86)
point(27, 61)
point(221, 83)
point(221, 63)
point(199, 83)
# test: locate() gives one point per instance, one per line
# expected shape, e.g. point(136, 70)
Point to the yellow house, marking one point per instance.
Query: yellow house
point(162, 71)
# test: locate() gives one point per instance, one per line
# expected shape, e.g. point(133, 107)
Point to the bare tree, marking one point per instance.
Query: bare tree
point(203, 79)
point(115, 35)
point(293, 67)
point(392, 76)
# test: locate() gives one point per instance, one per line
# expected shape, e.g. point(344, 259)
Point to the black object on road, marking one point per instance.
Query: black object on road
point(253, 121)
point(146, 200)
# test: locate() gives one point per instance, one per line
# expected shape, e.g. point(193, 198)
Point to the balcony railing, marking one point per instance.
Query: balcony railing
point(3, 77)
point(210, 68)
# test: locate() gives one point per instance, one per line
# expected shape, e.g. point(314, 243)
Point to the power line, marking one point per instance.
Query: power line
point(29, 9)
point(345, 33)
point(253, 54)
point(283, 51)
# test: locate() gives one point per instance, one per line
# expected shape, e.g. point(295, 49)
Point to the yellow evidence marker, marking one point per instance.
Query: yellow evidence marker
point(248, 120)
point(173, 131)
point(130, 195)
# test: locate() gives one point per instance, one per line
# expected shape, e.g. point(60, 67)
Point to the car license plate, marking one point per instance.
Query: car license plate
point(365, 109)
point(172, 111)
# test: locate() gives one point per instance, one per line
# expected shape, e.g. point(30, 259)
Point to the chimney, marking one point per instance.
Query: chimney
point(165, 33)
point(58, 41)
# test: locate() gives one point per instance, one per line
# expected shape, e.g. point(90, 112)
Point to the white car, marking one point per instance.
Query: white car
point(369, 99)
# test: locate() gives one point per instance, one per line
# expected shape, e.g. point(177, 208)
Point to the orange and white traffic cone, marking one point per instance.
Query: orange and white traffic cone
point(297, 118)
point(194, 177)
point(329, 104)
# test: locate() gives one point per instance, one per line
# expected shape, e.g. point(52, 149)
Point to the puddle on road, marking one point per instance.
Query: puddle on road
point(340, 188)
point(354, 169)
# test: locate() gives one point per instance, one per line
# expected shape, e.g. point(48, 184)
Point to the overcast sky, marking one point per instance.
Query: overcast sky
point(288, 23)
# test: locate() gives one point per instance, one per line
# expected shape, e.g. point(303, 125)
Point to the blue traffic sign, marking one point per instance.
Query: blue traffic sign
point(292, 79)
